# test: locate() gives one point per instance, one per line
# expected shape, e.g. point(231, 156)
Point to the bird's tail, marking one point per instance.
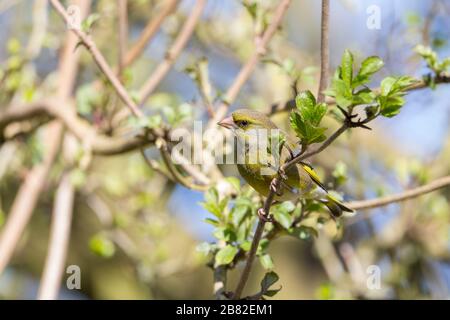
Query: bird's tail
point(335, 206)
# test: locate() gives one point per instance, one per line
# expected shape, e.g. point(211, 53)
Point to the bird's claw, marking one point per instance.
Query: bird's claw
point(274, 187)
point(282, 173)
point(263, 216)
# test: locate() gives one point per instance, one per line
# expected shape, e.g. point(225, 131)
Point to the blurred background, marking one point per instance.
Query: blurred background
point(134, 232)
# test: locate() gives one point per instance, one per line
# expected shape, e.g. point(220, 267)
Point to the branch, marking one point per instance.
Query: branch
point(98, 143)
point(59, 240)
point(412, 193)
point(324, 144)
point(247, 69)
point(123, 33)
point(101, 61)
point(172, 54)
point(220, 280)
point(149, 32)
point(174, 173)
point(324, 49)
point(27, 196)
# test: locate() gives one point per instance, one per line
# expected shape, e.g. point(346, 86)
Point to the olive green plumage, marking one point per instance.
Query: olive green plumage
point(301, 182)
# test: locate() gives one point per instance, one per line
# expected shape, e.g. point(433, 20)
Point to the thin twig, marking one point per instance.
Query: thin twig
point(324, 144)
point(101, 61)
point(59, 240)
point(412, 193)
point(174, 51)
point(149, 32)
point(123, 34)
point(324, 50)
point(100, 144)
point(27, 196)
point(184, 181)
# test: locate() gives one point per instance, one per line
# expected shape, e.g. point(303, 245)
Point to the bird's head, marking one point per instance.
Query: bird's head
point(244, 120)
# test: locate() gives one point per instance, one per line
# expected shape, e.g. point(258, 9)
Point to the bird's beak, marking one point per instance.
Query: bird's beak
point(227, 123)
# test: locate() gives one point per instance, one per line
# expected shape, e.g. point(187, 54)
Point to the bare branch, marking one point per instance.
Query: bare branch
point(98, 143)
point(324, 49)
point(123, 33)
point(149, 32)
point(409, 194)
point(101, 61)
point(172, 54)
point(59, 240)
point(27, 196)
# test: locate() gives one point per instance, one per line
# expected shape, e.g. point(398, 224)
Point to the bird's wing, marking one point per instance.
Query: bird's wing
point(310, 171)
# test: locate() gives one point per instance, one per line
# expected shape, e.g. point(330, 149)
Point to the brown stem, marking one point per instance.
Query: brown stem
point(324, 50)
point(27, 196)
point(149, 32)
point(174, 51)
point(98, 143)
point(412, 193)
point(123, 34)
point(101, 61)
point(59, 240)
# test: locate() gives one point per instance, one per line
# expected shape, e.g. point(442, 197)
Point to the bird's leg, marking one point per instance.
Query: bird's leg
point(274, 187)
point(263, 216)
point(282, 173)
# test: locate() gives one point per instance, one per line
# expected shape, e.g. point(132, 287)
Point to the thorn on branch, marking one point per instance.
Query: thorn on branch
point(351, 123)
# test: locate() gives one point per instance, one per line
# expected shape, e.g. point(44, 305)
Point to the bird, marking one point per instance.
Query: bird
point(299, 181)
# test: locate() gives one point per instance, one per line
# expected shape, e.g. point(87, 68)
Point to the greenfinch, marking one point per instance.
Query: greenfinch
point(299, 181)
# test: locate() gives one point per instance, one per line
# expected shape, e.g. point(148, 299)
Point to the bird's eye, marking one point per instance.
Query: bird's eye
point(244, 123)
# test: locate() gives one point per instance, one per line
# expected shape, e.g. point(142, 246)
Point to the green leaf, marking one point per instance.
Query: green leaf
point(303, 232)
point(305, 100)
point(238, 213)
point(87, 98)
point(392, 92)
point(212, 222)
point(102, 246)
point(225, 234)
point(212, 195)
point(89, 22)
point(205, 248)
point(307, 132)
point(269, 280)
point(77, 178)
point(271, 293)
point(266, 261)
point(212, 208)
point(234, 182)
point(347, 68)
point(212, 203)
point(343, 93)
point(283, 217)
point(370, 65)
point(246, 245)
point(2, 217)
point(13, 46)
point(287, 206)
point(225, 255)
point(364, 96)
